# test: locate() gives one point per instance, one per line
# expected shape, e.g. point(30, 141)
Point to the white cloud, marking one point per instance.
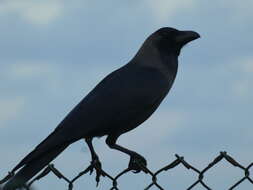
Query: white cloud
point(34, 12)
point(242, 87)
point(30, 69)
point(165, 10)
point(45, 74)
point(247, 66)
point(10, 108)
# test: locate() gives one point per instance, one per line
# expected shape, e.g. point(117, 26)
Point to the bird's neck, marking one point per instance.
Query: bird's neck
point(149, 56)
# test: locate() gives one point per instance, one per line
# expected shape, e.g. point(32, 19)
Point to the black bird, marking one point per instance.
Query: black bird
point(119, 103)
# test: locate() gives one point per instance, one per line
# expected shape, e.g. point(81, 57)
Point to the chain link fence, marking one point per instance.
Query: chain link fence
point(179, 160)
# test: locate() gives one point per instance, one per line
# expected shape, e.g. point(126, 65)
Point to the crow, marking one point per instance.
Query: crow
point(119, 103)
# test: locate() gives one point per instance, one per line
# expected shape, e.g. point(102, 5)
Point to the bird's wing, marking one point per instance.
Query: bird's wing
point(127, 89)
point(141, 92)
point(123, 96)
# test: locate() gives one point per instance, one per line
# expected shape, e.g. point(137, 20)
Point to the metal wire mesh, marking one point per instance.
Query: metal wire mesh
point(178, 161)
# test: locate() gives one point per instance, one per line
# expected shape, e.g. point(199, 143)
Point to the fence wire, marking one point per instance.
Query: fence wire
point(179, 160)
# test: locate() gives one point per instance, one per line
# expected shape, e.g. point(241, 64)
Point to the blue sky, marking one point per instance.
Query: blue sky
point(52, 53)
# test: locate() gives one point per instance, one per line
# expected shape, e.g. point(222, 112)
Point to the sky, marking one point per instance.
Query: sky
point(53, 52)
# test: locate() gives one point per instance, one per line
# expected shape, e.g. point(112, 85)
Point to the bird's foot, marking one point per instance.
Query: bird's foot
point(137, 163)
point(96, 165)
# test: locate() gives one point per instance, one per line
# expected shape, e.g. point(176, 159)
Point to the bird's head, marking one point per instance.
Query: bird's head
point(171, 40)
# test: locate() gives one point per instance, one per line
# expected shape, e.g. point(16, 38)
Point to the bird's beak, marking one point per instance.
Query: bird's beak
point(185, 37)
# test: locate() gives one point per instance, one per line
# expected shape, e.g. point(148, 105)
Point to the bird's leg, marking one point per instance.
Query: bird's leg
point(95, 163)
point(136, 160)
point(92, 151)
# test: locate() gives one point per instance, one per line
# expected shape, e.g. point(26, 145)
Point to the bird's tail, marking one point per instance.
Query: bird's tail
point(32, 168)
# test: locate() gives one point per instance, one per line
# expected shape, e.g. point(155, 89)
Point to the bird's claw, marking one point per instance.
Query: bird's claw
point(137, 163)
point(95, 164)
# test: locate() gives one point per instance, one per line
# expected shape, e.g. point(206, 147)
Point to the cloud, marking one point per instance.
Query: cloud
point(34, 12)
point(10, 108)
point(29, 69)
point(30, 77)
point(242, 87)
point(247, 66)
point(165, 10)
